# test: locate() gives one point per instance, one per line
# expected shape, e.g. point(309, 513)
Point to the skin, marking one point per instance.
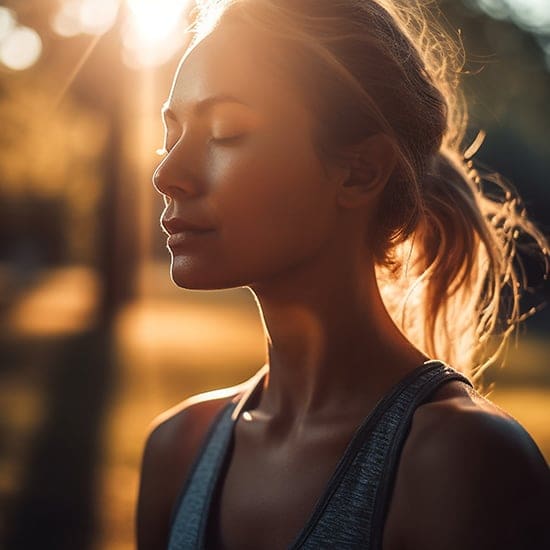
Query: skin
point(291, 227)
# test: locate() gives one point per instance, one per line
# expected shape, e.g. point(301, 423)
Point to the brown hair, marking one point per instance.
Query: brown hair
point(445, 245)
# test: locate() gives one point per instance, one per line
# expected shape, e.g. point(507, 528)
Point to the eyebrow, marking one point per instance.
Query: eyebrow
point(200, 107)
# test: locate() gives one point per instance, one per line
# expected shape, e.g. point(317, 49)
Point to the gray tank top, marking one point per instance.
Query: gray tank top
point(351, 511)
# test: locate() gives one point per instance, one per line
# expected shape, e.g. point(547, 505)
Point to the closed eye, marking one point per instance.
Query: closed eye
point(228, 139)
point(162, 151)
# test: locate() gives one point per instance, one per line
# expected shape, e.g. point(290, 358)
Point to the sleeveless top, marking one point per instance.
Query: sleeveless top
point(351, 511)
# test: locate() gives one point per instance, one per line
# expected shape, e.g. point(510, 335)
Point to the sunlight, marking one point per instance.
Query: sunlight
point(7, 23)
point(21, 48)
point(153, 32)
point(64, 301)
point(85, 16)
point(154, 20)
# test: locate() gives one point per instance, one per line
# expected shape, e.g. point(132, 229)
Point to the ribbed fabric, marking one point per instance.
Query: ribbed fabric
point(351, 512)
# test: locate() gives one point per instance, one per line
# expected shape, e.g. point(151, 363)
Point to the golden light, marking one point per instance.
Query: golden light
point(155, 19)
point(63, 302)
point(154, 31)
point(85, 16)
point(21, 48)
point(7, 23)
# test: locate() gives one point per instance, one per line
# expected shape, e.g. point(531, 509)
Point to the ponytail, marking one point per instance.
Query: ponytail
point(464, 277)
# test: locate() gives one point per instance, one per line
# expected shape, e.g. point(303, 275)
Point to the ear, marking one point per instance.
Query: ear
point(372, 162)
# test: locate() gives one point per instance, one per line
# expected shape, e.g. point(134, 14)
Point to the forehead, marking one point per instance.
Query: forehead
point(233, 60)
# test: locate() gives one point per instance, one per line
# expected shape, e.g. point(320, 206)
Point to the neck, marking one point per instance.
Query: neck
point(333, 348)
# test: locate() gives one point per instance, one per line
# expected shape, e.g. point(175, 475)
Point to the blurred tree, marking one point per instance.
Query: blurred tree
point(50, 171)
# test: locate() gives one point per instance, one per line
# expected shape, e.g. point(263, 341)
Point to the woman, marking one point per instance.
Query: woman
point(313, 156)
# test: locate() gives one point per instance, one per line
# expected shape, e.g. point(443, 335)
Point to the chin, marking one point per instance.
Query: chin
point(193, 273)
point(194, 279)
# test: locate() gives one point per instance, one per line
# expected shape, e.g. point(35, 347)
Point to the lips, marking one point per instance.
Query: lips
point(173, 226)
point(184, 238)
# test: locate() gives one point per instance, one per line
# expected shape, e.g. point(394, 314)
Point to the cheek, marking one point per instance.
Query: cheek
point(273, 203)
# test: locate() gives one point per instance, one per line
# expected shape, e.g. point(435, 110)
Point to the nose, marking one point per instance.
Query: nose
point(159, 177)
point(172, 177)
point(165, 181)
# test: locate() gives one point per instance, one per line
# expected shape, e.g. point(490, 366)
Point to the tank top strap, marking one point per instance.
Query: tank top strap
point(396, 426)
point(189, 512)
point(353, 509)
point(187, 525)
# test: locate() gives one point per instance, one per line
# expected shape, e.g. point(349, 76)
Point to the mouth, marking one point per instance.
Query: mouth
point(184, 238)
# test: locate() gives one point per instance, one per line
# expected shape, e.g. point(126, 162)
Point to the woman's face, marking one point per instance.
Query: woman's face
point(243, 165)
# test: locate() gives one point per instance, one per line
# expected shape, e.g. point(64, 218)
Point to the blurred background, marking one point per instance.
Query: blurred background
point(95, 339)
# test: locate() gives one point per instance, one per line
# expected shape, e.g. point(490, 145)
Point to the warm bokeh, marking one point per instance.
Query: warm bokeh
point(95, 339)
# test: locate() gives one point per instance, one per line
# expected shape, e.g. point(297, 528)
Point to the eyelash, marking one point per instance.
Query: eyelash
point(226, 139)
point(164, 151)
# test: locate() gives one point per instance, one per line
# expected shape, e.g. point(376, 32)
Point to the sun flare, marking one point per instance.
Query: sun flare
point(153, 31)
point(154, 20)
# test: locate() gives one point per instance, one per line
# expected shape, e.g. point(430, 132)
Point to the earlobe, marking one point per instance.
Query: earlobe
point(372, 163)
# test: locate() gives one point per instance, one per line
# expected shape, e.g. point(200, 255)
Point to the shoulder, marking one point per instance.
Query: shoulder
point(470, 476)
point(172, 443)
